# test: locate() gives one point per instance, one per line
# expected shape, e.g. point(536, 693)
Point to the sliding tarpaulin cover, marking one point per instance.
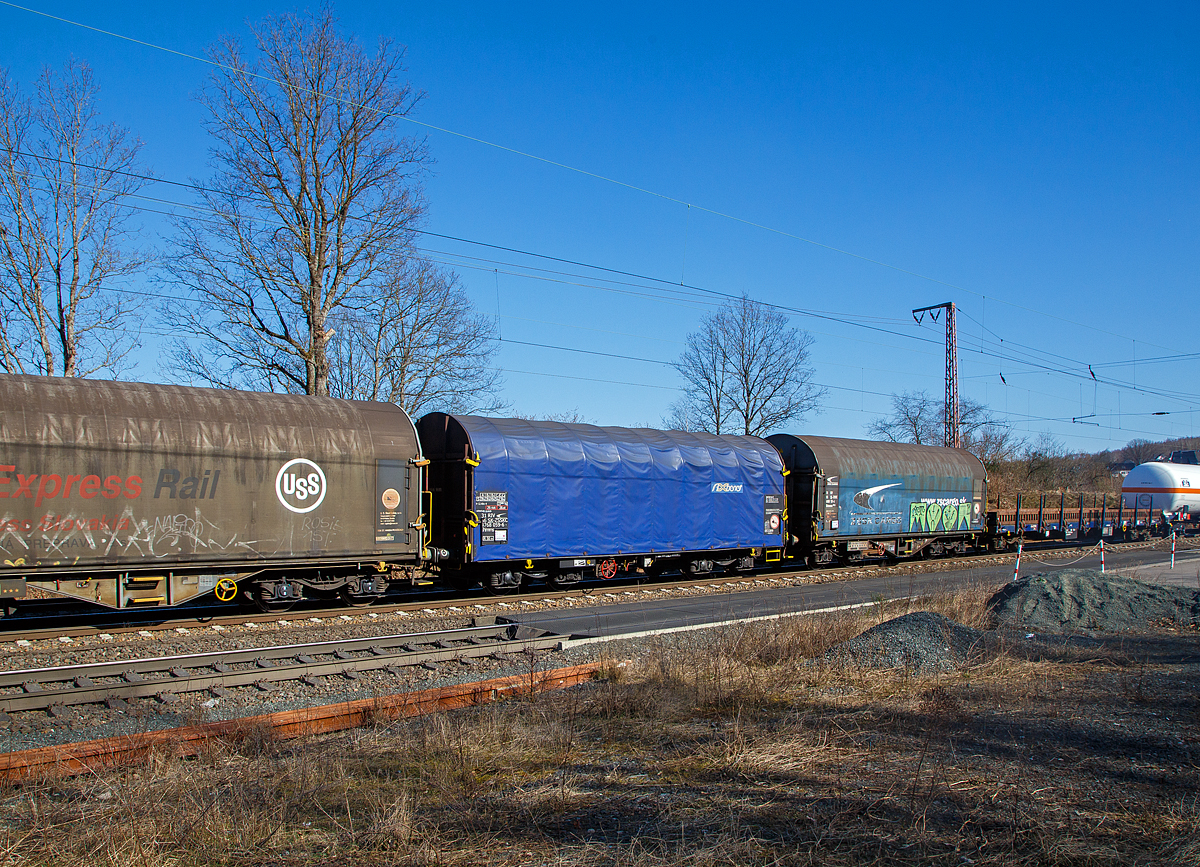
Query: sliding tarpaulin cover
point(581, 490)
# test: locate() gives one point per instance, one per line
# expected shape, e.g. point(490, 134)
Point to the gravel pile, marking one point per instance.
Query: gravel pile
point(1074, 600)
point(922, 642)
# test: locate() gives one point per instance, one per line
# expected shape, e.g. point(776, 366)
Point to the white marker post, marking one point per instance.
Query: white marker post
point(1101, 554)
point(1017, 567)
point(1172, 549)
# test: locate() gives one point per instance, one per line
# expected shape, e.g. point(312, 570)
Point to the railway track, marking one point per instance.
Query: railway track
point(166, 677)
point(30, 628)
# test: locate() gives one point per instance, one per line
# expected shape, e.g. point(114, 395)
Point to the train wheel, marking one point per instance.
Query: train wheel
point(566, 579)
point(740, 565)
point(501, 591)
point(502, 583)
point(653, 572)
point(357, 600)
point(362, 591)
point(268, 599)
point(274, 606)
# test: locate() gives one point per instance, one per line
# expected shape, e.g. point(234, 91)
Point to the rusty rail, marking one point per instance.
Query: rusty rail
point(70, 759)
point(216, 671)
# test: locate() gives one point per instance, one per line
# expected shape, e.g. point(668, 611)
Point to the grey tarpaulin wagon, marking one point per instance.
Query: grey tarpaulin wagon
point(127, 494)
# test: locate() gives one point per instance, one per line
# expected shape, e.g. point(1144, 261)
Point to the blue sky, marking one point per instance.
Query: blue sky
point(1035, 164)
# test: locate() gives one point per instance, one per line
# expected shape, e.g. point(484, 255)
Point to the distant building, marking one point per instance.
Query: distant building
point(1120, 469)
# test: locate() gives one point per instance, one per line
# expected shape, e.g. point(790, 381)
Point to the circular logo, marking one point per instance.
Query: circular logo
point(391, 499)
point(774, 522)
point(300, 485)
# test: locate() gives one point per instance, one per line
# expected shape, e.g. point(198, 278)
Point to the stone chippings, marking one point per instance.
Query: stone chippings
point(921, 642)
point(1074, 600)
point(1071, 600)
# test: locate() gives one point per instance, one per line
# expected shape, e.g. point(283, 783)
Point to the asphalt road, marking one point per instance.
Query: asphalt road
point(650, 614)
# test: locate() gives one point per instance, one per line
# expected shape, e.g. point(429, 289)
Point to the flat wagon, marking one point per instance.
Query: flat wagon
point(126, 494)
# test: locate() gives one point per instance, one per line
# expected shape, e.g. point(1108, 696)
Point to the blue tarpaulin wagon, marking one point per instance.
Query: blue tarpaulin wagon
point(516, 500)
point(851, 499)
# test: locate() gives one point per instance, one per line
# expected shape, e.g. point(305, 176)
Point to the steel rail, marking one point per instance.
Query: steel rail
point(168, 621)
point(213, 670)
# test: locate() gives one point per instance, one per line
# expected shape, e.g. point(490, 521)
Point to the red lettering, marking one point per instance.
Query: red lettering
point(48, 488)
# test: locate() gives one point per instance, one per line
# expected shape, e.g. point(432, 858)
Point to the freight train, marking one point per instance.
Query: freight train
point(131, 495)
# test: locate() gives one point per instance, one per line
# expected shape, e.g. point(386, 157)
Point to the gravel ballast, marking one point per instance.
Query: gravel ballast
point(921, 642)
point(1075, 600)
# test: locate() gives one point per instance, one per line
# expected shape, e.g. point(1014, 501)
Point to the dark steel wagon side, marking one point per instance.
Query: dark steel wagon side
point(850, 499)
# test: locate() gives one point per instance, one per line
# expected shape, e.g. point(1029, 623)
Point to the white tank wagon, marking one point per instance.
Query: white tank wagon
point(1161, 486)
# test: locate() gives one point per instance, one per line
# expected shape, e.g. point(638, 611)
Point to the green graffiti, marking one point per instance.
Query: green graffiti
point(929, 517)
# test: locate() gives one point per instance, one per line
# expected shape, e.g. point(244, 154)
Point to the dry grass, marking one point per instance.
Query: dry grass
point(719, 747)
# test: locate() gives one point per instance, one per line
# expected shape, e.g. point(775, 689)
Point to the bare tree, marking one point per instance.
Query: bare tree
point(313, 203)
point(417, 345)
point(65, 183)
point(567, 416)
point(1141, 450)
point(915, 418)
point(745, 372)
point(1042, 459)
point(705, 404)
point(684, 415)
point(918, 418)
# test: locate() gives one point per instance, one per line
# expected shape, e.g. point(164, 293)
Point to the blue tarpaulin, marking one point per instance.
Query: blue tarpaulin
point(577, 490)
